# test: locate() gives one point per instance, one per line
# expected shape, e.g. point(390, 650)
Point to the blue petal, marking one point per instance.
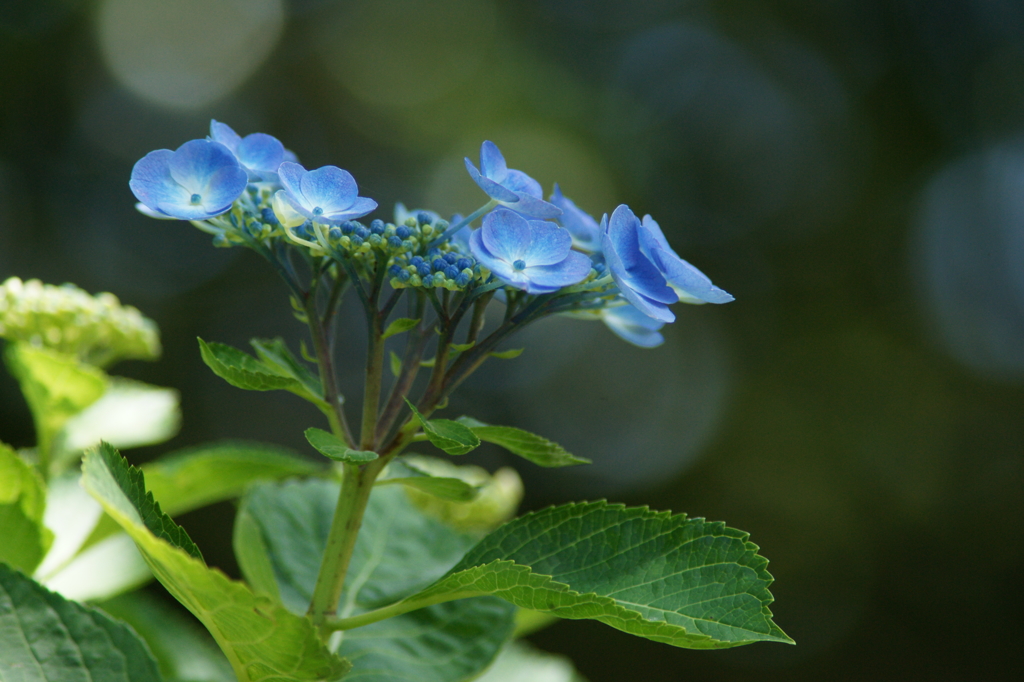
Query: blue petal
point(629, 266)
point(506, 234)
point(224, 186)
point(501, 269)
point(584, 229)
point(260, 152)
point(360, 207)
point(633, 326)
point(549, 244)
point(535, 208)
point(195, 161)
point(493, 189)
point(291, 175)
point(222, 132)
point(696, 287)
point(151, 181)
point(546, 278)
point(329, 188)
point(492, 163)
point(521, 183)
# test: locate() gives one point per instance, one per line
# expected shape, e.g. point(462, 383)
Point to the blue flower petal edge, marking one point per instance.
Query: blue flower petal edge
point(199, 180)
point(633, 326)
point(532, 255)
point(259, 154)
point(586, 233)
point(512, 188)
point(328, 194)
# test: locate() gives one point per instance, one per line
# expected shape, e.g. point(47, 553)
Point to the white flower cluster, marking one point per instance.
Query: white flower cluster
point(96, 329)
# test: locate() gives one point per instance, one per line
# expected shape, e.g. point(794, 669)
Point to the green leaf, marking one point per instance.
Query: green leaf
point(56, 387)
point(507, 354)
point(398, 551)
point(183, 650)
point(402, 324)
point(330, 446)
point(130, 414)
point(429, 475)
point(24, 540)
point(460, 347)
point(261, 639)
point(396, 364)
point(520, 662)
point(45, 638)
point(275, 354)
point(276, 371)
point(537, 449)
point(684, 582)
point(448, 435)
point(497, 497)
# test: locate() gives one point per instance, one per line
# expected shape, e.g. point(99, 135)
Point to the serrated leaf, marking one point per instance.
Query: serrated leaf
point(448, 435)
point(416, 472)
point(275, 354)
point(402, 324)
point(684, 582)
point(507, 354)
point(183, 650)
point(537, 449)
point(24, 540)
point(396, 364)
point(398, 551)
point(56, 387)
point(332, 447)
point(45, 638)
point(128, 415)
point(244, 371)
point(261, 639)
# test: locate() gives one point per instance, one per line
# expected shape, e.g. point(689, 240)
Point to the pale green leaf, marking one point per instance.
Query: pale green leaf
point(537, 449)
point(460, 347)
point(103, 570)
point(447, 435)
point(428, 475)
point(24, 540)
point(520, 662)
point(261, 639)
point(685, 582)
point(396, 364)
point(252, 555)
point(183, 650)
point(332, 447)
point(497, 497)
point(398, 551)
point(130, 414)
point(402, 324)
point(45, 638)
point(56, 387)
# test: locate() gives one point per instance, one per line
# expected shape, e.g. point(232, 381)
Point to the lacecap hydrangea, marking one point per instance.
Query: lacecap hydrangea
point(537, 256)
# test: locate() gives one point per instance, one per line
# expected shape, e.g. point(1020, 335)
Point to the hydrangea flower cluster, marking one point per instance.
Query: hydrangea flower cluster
point(251, 191)
point(98, 329)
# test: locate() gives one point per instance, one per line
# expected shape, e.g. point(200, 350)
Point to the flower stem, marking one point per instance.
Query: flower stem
point(468, 220)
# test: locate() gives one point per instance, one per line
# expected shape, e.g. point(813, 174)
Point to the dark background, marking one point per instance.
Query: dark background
point(852, 171)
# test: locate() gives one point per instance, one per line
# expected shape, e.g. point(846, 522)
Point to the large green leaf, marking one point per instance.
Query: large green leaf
point(261, 639)
point(399, 551)
point(685, 582)
point(24, 539)
point(537, 449)
point(56, 387)
point(183, 650)
point(45, 638)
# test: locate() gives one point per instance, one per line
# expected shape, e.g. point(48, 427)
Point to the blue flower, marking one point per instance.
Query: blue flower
point(199, 180)
point(512, 188)
point(650, 275)
point(633, 326)
point(532, 255)
point(328, 194)
point(586, 233)
point(259, 154)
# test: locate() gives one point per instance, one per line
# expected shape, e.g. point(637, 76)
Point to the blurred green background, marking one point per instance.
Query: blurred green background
point(852, 171)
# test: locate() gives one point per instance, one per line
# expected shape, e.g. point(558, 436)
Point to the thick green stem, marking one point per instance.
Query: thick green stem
point(341, 540)
point(372, 388)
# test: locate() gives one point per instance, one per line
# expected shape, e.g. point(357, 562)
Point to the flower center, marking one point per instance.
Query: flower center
point(318, 211)
point(519, 264)
point(196, 200)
